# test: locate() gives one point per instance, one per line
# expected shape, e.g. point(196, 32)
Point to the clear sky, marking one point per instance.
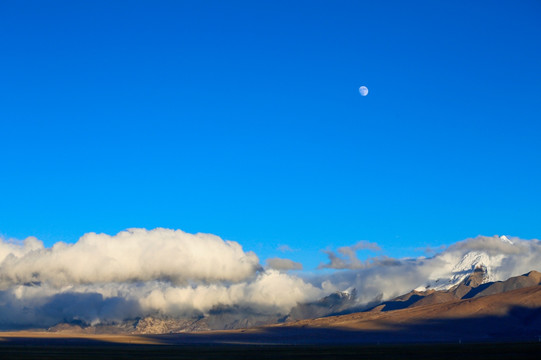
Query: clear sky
point(244, 120)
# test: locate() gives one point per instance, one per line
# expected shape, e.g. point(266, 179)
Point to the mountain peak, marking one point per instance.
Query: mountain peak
point(477, 277)
point(457, 266)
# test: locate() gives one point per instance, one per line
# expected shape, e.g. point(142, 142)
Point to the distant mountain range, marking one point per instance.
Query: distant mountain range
point(472, 298)
point(470, 311)
point(463, 278)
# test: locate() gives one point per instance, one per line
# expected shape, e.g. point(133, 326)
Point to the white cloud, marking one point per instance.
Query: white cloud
point(136, 273)
point(264, 292)
point(130, 256)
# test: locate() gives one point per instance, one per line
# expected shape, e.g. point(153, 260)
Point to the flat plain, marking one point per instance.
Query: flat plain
point(90, 348)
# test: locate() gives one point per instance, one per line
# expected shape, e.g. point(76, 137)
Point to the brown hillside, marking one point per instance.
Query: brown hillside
point(518, 282)
point(498, 305)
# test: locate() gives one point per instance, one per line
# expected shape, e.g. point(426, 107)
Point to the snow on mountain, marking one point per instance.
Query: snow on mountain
point(456, 266)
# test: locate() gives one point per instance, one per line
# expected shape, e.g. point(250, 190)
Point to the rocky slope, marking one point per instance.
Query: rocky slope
point(508, 316)
point(472, 286)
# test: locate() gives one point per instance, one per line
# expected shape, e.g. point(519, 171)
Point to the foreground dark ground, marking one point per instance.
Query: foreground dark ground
point(85, 350)
point(515, 336)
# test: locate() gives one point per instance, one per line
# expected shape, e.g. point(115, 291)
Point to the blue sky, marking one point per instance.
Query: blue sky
point(243, 119)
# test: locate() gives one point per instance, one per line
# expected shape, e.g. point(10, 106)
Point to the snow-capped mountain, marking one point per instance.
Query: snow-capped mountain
point(456, 266)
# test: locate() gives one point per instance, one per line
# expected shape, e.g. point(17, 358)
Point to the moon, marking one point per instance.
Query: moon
point(363, 90)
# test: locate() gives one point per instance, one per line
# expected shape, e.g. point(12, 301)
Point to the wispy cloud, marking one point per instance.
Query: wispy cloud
point(430, 250)
point(346, 256)
point(283, 264)
point(285, 248)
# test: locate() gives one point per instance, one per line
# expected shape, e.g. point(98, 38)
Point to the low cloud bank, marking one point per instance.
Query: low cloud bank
point(162, 272)
point(136, 273)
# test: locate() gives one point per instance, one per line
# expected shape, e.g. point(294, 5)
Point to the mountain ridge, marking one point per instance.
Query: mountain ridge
point(470, 287)
point(470, 290)
point(515, 314)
